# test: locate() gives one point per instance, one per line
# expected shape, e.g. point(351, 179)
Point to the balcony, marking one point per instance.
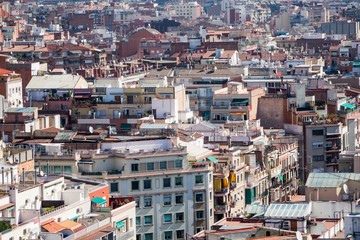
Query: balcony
point(221, 192)
point(221, 209)
point(220, 106)
point(126, 235)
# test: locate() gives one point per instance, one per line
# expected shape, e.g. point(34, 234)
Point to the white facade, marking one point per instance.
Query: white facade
point(190, 10)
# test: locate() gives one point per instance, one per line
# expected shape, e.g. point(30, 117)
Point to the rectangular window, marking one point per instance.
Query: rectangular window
point(114, 187)
point(147, 184)
point(138, 236)
point(168, 235)
point(178, 181)
point(199, 197)
point(167, 218)
point(178, 163)
point(138, 221)
point(166, 182)
point(179, 199)
point(319, 132)
point(179, 217)
point(199, 179)
point(150, 166)
point(135, 185)
point(163, 165)
point(318, 145)
point(167, 200)
point(318, 158)
point(147, 201)
point(67, 169)
point(147, 220)
point(57, 169)
point(199, 215)
point(137, 201)
point(148, 236)
point(180, 234)
point(135, 167)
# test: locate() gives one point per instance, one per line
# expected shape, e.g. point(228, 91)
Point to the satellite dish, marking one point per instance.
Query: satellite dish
point(91, 129)
point(41, 174)
point(298, 235)
point(113, 130)
point(345, 188)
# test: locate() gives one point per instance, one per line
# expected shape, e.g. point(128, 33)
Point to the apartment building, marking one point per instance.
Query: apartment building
point(11, 88)
point(172, 186)
point(191, 10)
point(323, 144)
point(229, 183)
point(235, 103)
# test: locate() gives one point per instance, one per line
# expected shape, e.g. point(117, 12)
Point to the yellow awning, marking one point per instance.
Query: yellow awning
point(225, 182)
point(232, 178)
point(217, 184)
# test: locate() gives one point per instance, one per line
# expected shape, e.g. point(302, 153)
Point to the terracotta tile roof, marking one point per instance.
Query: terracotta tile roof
point(70, 224)
point(4, 72)
point(52, 227)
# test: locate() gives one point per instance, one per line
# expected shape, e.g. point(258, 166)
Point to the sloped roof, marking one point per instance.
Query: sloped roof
point(64, 81)
point(326, 180)
point(288, 211)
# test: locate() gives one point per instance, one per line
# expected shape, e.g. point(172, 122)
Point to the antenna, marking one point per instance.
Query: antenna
point(91, 129)
point(345, 188)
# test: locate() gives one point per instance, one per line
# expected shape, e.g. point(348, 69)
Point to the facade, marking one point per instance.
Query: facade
point(11, 88)
point(191, 10)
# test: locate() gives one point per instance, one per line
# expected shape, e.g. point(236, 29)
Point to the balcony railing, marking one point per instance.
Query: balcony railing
point(221, 209)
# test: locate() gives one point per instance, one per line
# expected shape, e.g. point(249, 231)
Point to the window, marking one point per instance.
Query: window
point(179, 199)
point(148, 236)
point(147, 201)
point(318, 132)
point(135, 167)
point(199, 214)
point(137, 201)
point(138, 236)
point(179, 217)
point(67, 169)
point(318, 145)
point(114, 187)
point(199, 179)
point(57, 169)
point(180, 234)
point(178, 163)
point(178, 181)
point(138, 220)
point(147, 220)
point(199, 197)
point(167, 200)
point(167, 182)
point(167, 218)
point(318, 158)
point(168, 235)
point(211, 212)
point(150, 166)
point(134, 185)
point(147, 184)
point(163, 165)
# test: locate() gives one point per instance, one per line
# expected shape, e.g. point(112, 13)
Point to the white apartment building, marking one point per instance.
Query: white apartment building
point(190, 10)
point(172, 186)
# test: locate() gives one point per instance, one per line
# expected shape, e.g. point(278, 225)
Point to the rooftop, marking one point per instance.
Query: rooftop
point(326, 180)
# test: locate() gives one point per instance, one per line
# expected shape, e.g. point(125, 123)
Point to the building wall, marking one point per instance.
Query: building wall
point(268, 117)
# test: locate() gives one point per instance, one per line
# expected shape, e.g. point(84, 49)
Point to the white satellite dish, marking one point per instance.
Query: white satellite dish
point(41, 174)
point(91, 129)
point(298, 235)
point(113, 130)
point(345, 188)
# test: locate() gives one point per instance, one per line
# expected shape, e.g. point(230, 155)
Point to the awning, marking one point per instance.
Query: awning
point(98, 200)
point(213, 159)
point(125, 126)
point(238, 101)
point(120, 224)
point(280, 177)
point(348, 106)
